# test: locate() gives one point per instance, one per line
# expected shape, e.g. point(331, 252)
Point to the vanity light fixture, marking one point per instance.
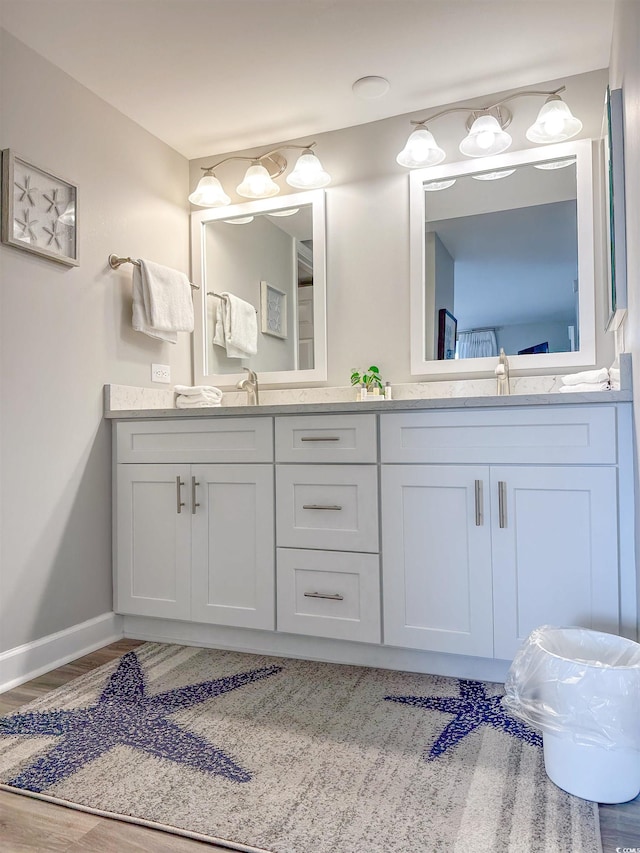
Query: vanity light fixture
point(258, 181)
point(434, 186)
point(556, 164)
point(493, 176)
point(486, 128)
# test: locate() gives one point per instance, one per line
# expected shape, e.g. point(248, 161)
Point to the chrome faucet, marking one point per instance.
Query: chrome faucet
point(502, 374)
point(250, 385)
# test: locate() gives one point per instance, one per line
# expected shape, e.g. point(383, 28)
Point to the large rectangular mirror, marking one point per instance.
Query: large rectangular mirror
point(271, 254)
point(502, 256)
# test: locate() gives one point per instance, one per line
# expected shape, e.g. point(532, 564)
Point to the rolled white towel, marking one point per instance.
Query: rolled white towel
point(195, 403)
point(587, 377)
point(586, 387)
point(198, 391)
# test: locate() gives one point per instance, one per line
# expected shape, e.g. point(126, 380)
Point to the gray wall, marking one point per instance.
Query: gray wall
point(67, 331)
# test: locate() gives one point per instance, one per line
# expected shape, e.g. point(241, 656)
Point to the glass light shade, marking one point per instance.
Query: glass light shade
point(257, 183)
point(493, 176)
point(308, 173)
point(291, 212)
point(421, 150)
point(556, 164)
point(209, 193)
point(239, 220)
point(555, 123)
point(434, 186)
point(485, 138)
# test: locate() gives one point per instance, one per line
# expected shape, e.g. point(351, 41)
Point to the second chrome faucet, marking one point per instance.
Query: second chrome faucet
point(250, 385)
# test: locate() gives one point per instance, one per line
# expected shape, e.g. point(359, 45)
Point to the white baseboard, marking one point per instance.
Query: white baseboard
point(26, 662)
point(312, 648)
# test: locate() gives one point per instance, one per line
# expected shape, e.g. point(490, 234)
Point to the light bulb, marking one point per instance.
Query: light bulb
point(421, 150)
point(485, 137)
point(257, 183)
point(555, 123)
point(209, 192)
point(308, 173)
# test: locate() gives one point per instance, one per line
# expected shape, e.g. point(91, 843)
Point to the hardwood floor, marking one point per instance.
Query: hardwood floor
point(31, 826)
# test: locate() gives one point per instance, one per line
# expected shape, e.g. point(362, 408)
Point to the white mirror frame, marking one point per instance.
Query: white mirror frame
point(290, 378)
point(586, 355)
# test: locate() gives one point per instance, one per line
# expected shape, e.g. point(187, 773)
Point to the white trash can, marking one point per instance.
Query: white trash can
point(581, 688)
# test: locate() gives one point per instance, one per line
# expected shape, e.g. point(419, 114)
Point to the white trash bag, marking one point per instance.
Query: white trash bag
point(581, 689)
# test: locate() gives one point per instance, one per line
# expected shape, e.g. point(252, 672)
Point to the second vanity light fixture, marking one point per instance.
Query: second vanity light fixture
point(486, 128)
point(258, 182)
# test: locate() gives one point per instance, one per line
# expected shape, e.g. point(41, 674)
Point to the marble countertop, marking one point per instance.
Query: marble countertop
point(376, 406)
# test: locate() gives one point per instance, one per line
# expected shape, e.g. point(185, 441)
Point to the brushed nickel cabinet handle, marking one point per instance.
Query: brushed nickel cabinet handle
point(179, 502)
point(479, 504)
point(502, 503)
point(332, 597)
point(194, 503)
point(321, 506)
point(320, 438)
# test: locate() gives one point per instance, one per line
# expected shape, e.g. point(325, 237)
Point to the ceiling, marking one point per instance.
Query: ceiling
point(212, 76)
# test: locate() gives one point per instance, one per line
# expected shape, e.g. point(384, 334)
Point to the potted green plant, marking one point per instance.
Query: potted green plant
point(369, 379)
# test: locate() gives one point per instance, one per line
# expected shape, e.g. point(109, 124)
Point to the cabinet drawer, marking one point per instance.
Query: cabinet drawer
point(333, 507)
point(571, 435)
point(329, 594)
point(217, 440)
point(326, 438)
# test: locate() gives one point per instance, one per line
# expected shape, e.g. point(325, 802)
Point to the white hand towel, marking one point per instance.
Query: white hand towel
point(586, 387)
point(167, 297)
point(187, 403)
point(140, 319)
point(198, 391)
point(200, 398)
point(587, 376)
point(240, 327)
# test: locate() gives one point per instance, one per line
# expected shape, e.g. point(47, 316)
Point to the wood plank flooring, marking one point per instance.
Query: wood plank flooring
point(31, 826)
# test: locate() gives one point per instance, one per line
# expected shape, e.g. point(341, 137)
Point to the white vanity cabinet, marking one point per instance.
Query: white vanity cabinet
point(477, 555)
point(328, 566)
point(195, 541)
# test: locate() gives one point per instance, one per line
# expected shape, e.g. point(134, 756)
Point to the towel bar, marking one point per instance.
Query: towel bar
point(217, 295)
point(115, 262)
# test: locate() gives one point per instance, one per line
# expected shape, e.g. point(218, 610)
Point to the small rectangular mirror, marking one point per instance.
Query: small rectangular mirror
point(271, 254)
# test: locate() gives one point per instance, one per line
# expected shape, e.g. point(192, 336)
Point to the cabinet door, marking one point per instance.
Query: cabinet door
point(233, 560)
point(555, 551)
point(153, 541)
point(437, 558)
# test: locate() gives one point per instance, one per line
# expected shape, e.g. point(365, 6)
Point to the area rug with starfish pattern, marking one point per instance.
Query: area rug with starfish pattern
point(290, 756)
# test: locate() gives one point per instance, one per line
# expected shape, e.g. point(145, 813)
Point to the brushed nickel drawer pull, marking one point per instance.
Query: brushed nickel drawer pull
point(179, 502)
point(194, 503)
point(320, 438)
point(502, 503)
point(335, 597)
point(321, 506)
point(479, 504)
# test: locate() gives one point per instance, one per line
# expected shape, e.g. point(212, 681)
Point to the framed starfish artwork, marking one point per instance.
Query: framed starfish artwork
point(39, 211)
point(273, 310)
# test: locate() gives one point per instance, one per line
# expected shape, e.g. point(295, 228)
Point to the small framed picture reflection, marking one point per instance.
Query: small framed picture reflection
point(39, 210)
point(273, 310)
point(447, 329)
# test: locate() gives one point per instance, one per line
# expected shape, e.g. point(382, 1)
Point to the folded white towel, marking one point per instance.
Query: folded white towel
point(167, 296)
point(236, 327)
point(587, 376)
point(586, 387)
point(195, 403)
point(198, 391)
point(141, 320)
point(201, 398)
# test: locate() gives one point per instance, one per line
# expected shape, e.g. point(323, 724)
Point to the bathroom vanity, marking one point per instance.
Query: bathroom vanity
point(431, 535)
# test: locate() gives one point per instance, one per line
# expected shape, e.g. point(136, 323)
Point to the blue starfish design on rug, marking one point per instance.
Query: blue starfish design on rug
point(125, 715)
point(471, 710)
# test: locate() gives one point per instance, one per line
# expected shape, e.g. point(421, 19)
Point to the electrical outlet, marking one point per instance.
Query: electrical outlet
point(161, 373)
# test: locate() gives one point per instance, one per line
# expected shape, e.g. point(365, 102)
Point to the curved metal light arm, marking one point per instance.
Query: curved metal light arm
point(478, 110)
point(268, 155)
